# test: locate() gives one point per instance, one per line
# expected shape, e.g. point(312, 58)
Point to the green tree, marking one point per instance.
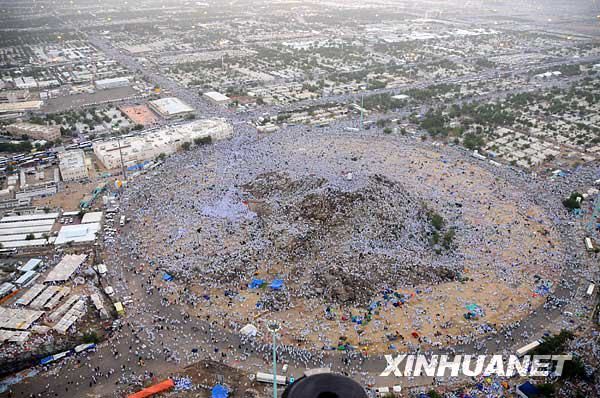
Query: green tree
point(574, 201)
point(202, 140)
point(448, 238)
point(473, 141)
point(575, 370)
point(436, 220)
point(91, 337)
point(553, 345)
point(547, 390)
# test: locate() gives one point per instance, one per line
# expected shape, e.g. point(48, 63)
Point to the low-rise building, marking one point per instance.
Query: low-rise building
point(34, 131)
point(144, 147)
point(12, 96)
point(13, 110)
point(26, 82)
point(217, 98)
point(32, 191)
point(111, 83)
point(72, 165)
point(171, 107)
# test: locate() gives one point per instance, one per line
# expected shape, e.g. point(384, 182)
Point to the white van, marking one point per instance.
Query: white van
point(102, 269)
point(268, 378)
point(386, 391)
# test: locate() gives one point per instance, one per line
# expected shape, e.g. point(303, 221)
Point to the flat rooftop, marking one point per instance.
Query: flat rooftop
point(216, 96)
point(171, 106)
point(65, 268)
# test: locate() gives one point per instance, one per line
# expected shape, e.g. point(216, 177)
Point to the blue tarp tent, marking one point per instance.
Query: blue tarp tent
point(529, 390)
point(167, 277)
point(256, 283)
point(277, 284)
point(138, 166)
point(219, 391)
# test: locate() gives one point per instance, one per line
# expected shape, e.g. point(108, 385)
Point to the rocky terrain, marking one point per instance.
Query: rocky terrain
point(343, 245)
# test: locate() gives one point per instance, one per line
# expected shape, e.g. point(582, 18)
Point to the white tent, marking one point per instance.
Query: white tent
point(249, 330)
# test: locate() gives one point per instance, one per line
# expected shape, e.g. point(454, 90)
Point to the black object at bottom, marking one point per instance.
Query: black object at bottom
point(324, 385)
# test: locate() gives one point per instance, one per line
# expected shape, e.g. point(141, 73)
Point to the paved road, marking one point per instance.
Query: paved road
point(205, 109)
point(155, 77)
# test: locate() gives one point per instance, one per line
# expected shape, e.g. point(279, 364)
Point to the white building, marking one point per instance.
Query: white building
point(80, 233)
point(35, 131)
point(168, 140)
point(31, 191)
point(20, 107)
point(72, 165)
point(15, 229)
point(217, 98)
point(26, 82)
point(170, 107)
point(548, 75)
point(111, 83)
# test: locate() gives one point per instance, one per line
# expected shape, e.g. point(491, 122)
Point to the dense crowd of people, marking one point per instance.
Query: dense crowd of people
point(190, 222)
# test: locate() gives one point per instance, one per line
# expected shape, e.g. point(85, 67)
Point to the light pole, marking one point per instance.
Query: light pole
point(274, 328)
point(362, 104)
point(121, 155)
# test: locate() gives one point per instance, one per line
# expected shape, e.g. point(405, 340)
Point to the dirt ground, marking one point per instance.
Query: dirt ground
point(207, 373)
point(73, 192)
point(499, 275)
point(67, 199)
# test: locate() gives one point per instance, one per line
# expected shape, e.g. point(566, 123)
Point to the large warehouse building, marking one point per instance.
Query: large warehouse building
point(167, 140)
point(217, 98)
point(111, 83)
point(171, 108)
point(14, 230)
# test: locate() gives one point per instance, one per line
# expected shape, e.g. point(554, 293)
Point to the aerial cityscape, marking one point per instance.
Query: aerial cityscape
point(283, 198)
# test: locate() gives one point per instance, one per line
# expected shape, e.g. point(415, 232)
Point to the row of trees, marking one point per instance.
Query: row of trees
point(198, 141)
point(382, 102)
